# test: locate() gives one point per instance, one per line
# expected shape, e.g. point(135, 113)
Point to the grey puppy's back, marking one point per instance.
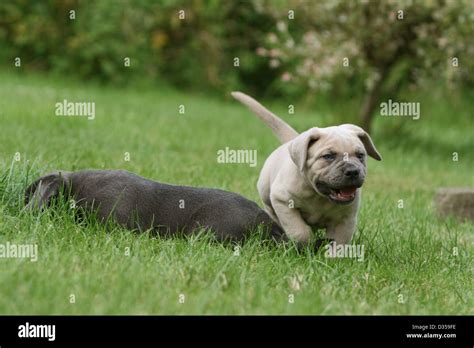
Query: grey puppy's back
point(139, 203)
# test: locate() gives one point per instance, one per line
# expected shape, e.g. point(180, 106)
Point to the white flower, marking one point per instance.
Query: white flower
point(281, 26)
point(274, 63)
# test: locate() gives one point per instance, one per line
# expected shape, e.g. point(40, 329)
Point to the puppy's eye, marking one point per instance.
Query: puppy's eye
point(360, 156)
point(329, 156)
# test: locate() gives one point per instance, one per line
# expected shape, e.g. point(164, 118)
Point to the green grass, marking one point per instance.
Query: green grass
point(408, 251)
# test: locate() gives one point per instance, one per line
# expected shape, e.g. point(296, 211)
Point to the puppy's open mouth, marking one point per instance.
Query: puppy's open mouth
point(342, 195)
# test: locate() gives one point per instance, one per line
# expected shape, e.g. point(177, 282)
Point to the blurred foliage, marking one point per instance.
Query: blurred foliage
point(414, 40)
point(196, 51)
point(374, 47)
point(277, 55)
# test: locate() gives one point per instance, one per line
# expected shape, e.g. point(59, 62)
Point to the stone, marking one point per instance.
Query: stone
point(455, 201)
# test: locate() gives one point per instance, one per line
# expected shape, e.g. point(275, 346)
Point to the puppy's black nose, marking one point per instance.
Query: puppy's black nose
point(351, 173)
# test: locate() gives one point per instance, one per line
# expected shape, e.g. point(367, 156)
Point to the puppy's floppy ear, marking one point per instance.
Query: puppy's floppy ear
point(298, 147)
point(366, 141)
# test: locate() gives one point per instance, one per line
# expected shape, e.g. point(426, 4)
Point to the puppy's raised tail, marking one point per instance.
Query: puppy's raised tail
point(280, 128)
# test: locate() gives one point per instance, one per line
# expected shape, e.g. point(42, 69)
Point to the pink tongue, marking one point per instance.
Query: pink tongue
point(348, 191)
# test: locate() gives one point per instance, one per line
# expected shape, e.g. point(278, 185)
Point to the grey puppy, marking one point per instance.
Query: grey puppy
point(139, 203)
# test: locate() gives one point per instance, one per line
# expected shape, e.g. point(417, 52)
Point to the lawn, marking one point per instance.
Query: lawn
point(415, 262)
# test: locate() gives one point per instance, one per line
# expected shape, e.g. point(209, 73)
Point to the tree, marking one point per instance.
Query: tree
point(372, 41)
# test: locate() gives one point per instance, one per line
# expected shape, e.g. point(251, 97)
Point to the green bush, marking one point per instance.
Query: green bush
point(197, 52)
